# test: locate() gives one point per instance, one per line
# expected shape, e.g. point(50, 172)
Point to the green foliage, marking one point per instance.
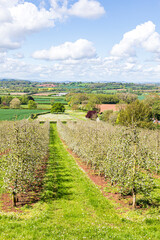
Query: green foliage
point(27, 145)
point(15, 103)
point(124, 156)
point(24, 99)
point(136, 112)
point(32, 104)
point(156, 109)
point(5, 100)
point(57, 108)
point(151, 99)
point(78, 209)
point(89, 102)
point(105, 115)
point(33, 116)
point(127, 97)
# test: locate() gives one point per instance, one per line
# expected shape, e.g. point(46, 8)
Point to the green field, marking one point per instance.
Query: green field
point(17, 114)
point(73, 208)
point(47, 100)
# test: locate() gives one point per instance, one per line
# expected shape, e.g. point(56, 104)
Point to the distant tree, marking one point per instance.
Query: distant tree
point(0, 100)
point(127, 97)
point(15, 103)
point(137, 113)
point(151, 99)
point(156, 110)
point(57, 108)
point(24, 99)
point(76, 99)
point(5, 100)
point(32, 104)
point(93, 102)
point(105, 115)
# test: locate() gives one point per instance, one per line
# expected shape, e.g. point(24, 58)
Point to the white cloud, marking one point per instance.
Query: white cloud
point(18, 55)
point(87, 9)
point(29, 18)
point(80, 49)
point(143, 36)
point(18, 18)
point(5, 15)
point(92, 69)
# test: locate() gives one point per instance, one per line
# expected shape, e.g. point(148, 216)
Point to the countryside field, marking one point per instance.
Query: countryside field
point(17, 114)
point(76, 178)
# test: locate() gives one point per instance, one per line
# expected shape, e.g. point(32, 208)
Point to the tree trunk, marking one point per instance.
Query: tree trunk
point(14, 199)
point(134, 199)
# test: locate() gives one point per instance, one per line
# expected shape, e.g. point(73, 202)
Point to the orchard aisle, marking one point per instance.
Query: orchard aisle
point(82, 211)
point(73, 208)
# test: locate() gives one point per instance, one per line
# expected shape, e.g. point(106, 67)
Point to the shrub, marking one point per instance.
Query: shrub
point(32, 104)
point(15, 103)
point(57, 108)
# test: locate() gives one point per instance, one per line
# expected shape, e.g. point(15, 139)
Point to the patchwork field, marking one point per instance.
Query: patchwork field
point(47, 100)
point(17, 114)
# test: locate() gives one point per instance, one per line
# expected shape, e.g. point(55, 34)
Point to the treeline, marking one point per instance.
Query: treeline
point(15, 102)
point(127, 157)
point(144, 113)
point(89, 101)
point(139, 113)
point(11, 85)
point(23, 148)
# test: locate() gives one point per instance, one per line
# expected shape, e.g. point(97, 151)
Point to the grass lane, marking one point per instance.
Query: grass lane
point(73, 208)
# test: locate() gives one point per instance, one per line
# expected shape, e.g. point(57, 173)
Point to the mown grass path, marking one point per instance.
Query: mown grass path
point(75, 208)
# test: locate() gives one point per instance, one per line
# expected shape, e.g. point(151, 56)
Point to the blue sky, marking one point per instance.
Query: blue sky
point(80, 40)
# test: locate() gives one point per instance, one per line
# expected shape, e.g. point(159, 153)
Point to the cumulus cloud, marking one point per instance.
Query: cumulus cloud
point(143, 36)
point(87, 69)
point(81, 8)
point(18, 18)
point(87, 9)
point(5, 15)
point(80, 49)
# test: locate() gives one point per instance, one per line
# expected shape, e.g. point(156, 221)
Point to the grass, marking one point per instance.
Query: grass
point(73, 208)
point(76, 114)
point(68, 115)
point(17, 114)
point(47, 100)
point(54, 117)
point(39, 107)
